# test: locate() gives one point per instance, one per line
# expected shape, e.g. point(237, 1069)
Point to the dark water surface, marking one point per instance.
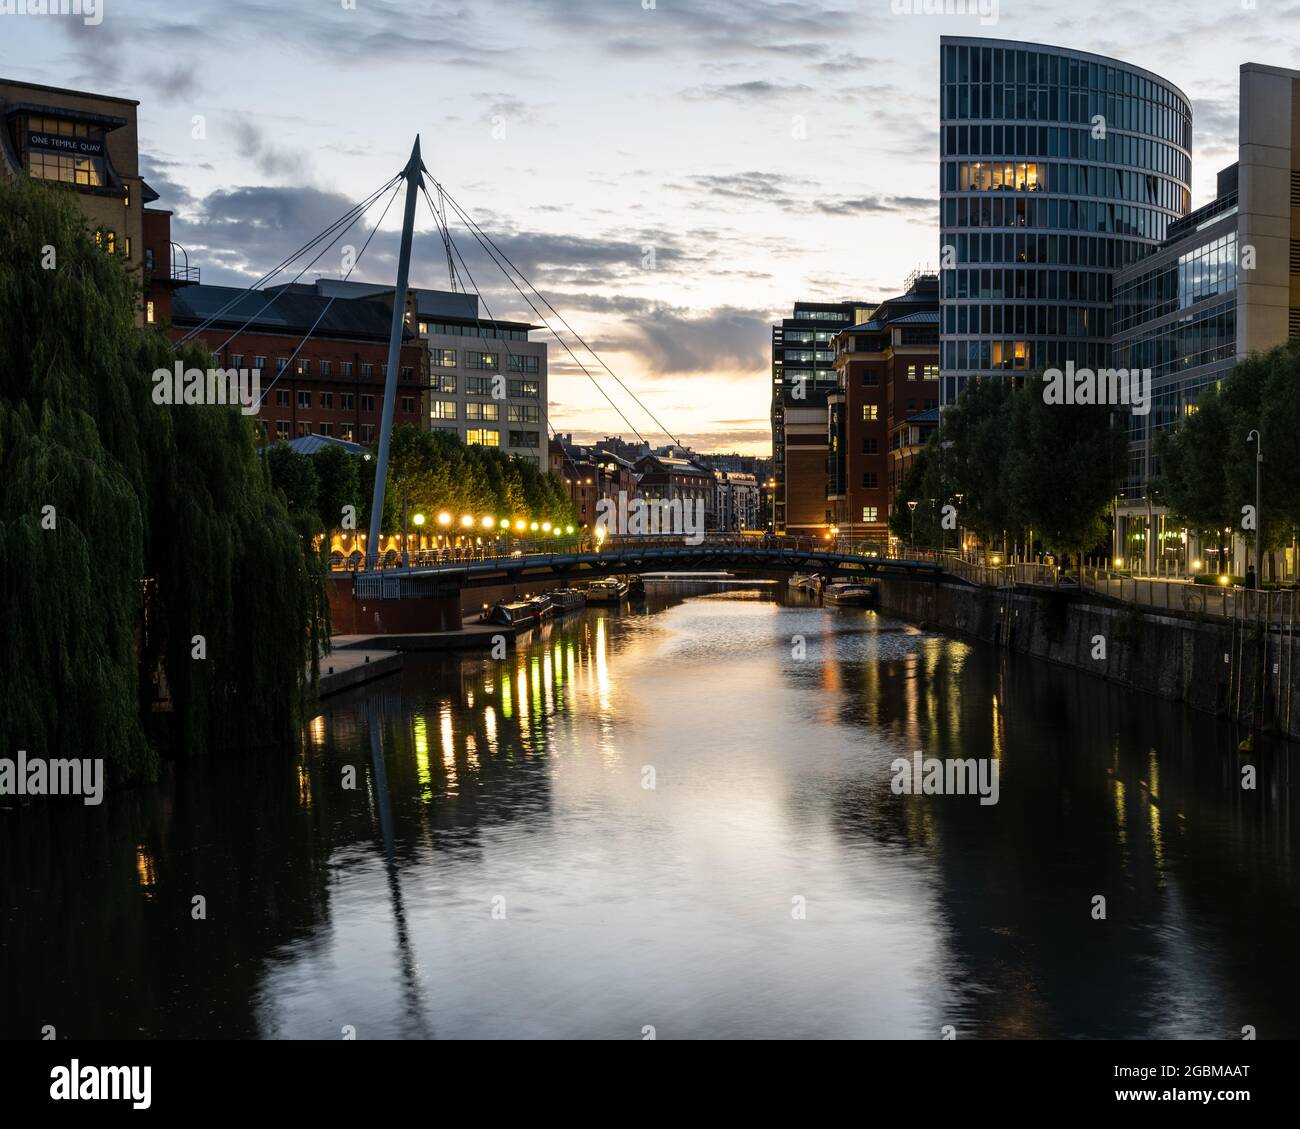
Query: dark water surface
point(499, 868)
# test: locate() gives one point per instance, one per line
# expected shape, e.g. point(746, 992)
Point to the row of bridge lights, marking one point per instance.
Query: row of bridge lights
point(519, 525)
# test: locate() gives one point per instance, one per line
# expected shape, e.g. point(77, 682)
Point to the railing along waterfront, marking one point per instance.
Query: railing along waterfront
point(1217, 601)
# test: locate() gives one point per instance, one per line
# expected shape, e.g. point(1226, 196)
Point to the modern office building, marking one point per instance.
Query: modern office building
point(887, 371)
point(487, 379)
point(1225, 283)
point(88, 144)
point(1058, 168)
point(803, 374)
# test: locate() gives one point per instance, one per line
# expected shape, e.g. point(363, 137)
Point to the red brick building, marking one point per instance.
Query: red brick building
point(888, 373)
point(335, 384)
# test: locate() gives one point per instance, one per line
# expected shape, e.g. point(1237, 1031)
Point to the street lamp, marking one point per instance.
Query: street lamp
point(1254, 437)
point(912, 506)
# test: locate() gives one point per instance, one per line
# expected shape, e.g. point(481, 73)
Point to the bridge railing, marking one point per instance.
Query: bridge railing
point(508, 548)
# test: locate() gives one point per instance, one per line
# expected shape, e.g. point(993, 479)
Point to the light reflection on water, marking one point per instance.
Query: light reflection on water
point(500, 869)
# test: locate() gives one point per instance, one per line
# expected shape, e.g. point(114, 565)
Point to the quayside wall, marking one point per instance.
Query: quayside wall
point(1231, 669)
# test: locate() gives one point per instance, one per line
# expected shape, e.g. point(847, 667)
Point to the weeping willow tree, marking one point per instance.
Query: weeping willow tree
point(134, 537)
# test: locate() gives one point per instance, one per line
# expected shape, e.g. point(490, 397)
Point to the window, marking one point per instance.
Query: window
point(148, 312)
point(482, 411)
point(482, 360)
point(304, 427)
point(871, 446)
point(524, 439)
point(478, 385)
point(347, 401)
point(443, 358)
point(523, 413)
point(282, 397)
point(281, 363)
point(424, 327)
point(408, 404)
point(520, 363)
point(346, 369)
point(326, 368)
point(282, 429)
point(870, 412)
point(367, 433)
point(304, 368)
point(871, 379)
point(327, 399)
point(870, 480)
point(482, 437)
point(259, 363)
point(870, 513)
point(345, 432)
point(304, 399)
point(443, 382)
point(911, 372)
point(443, 409)
point(367, 372)
point(930, 372)
point(367, 403)
point(408, 373)
point(236, 360)
point(530, 389)
point(326, 429)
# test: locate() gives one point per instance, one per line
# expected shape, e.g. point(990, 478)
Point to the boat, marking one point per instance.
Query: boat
point(610, 590)
point(852, 595)
point(806, 582)
point(565, 600)
point(635, 586)
point(541, 605)
point(511, 613)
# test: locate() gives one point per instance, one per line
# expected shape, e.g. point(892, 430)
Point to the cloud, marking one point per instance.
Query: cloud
point(754, 90)
point(801, 196)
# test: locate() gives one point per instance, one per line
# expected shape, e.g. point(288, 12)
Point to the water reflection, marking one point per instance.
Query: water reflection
point(517, 786)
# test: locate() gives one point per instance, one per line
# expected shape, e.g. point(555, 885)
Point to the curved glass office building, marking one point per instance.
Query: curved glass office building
point(1058, 168)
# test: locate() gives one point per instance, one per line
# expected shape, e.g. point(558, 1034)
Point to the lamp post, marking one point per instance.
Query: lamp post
point(912, 506)
point(1254, 437)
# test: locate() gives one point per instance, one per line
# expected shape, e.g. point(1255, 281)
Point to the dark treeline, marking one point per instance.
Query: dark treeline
point(1012, 464)
point(436, 472)
point(129, 530)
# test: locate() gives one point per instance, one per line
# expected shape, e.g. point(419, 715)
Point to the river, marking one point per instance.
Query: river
point(677, 819)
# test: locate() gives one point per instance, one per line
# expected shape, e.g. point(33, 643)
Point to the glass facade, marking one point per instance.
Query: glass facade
point(1177, 317)
point(1058, 168)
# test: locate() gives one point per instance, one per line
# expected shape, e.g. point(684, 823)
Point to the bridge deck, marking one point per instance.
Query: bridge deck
point(427, 577)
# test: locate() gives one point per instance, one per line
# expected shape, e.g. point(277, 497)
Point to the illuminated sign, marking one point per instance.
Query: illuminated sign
point(78, 146)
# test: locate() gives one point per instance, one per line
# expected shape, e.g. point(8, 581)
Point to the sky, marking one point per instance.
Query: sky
point(672, 174)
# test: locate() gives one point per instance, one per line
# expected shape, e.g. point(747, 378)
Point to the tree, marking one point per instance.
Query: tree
point(338, 485)
point(1063, 468)
point(129, 529)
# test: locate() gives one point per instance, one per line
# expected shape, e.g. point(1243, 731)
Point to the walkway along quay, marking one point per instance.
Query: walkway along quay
point(1231, 654)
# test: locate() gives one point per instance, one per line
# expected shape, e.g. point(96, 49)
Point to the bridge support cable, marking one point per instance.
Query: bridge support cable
point(348, 218)
point(454, 249)
point(320, 254)
point(543, 320)
point(493, 250)
point(333, 297)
